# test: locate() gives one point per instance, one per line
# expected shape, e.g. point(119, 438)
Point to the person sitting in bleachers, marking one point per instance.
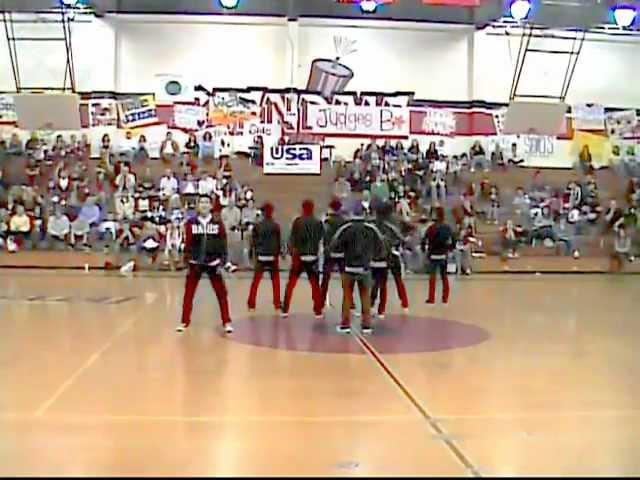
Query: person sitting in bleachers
point(21, 228)
point(478, 157)
point(510, 236)
point(15, 145)
point(169, 149)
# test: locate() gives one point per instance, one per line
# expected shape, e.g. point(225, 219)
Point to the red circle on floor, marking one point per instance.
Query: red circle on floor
point(394, 334)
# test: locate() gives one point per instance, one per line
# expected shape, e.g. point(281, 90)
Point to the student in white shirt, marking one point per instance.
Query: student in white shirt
point(58, 228)
point(128, 146)
point(168, 185)
point(207, 185)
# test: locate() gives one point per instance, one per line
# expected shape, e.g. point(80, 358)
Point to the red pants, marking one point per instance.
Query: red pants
point(434, 267)
point(380, 277)
point(217, 282)
point(273, 269)
point(311, 269)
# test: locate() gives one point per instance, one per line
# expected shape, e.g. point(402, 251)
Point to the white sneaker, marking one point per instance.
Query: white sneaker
point(252, 310)
point(284, 314)
point(381, 317)
point(181, 328)
point(357, 313)
point(405, 310)
point(344, 330)
point(228, 328)
point(319, 317)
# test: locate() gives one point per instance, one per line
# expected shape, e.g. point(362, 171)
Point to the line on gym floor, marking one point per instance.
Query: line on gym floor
point(433, 424)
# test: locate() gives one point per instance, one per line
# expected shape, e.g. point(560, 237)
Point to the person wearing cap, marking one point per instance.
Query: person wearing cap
point(437, 242)
point(391, 260)
point(205, 251)
point(361, 242)
point(265, 245)
point(304, 245)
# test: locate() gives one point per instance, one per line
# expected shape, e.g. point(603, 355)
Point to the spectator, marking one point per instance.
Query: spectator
point(206, 185)
point(15, 145)
point(143, 206)
point(564, 233)
point(125, 207)
point(106, 151)
point(622, 248)
point(379, 189)
point(510, 235)
point(478, 157)
point(169, 149)
point(128, 146)
point(4, 187)
point(543, 228)
point(32, 170)
point(168, 185)
point(494, 205)
point(342, 189)
point(141, 153)
point(514, 157)
point(207, 150)
point(585, 161)
point(249, 215)
point(413, 153)
point(432, 154)
point(58, 229)
point(192, 148)
point(464, 244)
point(21, 227)
point(125, 181)
point(231, 216)
point(108, 231)
point(4, 227)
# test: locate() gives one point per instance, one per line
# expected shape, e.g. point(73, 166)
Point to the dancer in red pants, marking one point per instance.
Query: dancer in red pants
point(205, 252)
point(392, 261)
point(304, 245)
point(332, 223)
point(265, 244)
point(438, 242)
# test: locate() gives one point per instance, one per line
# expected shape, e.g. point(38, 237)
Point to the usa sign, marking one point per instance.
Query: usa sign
point(292, 159)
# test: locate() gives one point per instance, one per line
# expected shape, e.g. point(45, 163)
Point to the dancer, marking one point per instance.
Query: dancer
point(394, 241)
point(332, 223)
point(437, 243)
point(304, 245)
point(265, 245)
point(361, 242)
point(205, 252)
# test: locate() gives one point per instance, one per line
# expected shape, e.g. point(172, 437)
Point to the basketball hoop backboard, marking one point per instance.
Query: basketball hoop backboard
point(535, 118)
point(47, 111)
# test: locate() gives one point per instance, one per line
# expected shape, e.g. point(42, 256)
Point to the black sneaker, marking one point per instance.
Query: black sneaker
point(343, 329)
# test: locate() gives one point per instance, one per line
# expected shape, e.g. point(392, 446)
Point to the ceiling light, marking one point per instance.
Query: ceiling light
point(368, 6)
point(520, 9)
point(624, 16)
point(229, 3)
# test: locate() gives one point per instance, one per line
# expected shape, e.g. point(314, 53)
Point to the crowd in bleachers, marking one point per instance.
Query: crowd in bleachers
point(65, 200)
point(537, 214)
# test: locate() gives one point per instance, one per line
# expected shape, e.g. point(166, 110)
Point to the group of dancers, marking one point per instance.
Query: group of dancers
point(363, 250)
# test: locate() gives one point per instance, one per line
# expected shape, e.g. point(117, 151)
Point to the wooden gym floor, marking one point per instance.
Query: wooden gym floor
point(519, 375)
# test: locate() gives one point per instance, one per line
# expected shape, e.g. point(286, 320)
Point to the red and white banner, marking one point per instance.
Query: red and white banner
point(356, 120)
point(433, 121)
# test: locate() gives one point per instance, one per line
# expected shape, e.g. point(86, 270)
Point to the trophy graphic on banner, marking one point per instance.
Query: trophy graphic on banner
point(330, 76)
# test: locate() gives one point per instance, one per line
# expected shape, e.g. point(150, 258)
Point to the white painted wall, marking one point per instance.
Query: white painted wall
point(207, 52)
point(603, 73)
point(406, 57)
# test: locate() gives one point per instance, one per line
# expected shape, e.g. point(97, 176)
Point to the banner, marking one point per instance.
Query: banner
point(434, 121)
point(588, 116)
point(189, 117)
point(292, 159)
point(103, 112)
point(623, 123)
point(357, 120)
point(137, 111)
point(7, 109)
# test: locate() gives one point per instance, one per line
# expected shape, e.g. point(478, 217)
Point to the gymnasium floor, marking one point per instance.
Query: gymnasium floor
point(519, 375)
